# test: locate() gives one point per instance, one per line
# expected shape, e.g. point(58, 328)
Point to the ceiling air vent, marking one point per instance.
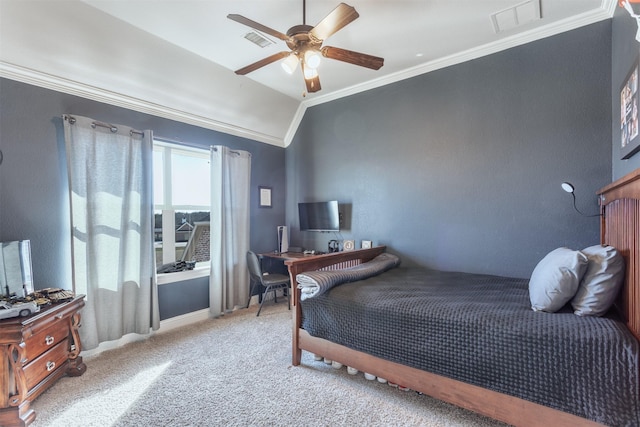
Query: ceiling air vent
point(258, 39)
point(520, 14)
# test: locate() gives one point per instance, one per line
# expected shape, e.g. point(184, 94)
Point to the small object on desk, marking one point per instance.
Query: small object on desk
point(309, 252)
point(349, 245)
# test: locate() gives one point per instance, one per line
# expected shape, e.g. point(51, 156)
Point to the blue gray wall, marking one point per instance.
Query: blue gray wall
point(624, 54)
point(34, 200)
point(460, 169)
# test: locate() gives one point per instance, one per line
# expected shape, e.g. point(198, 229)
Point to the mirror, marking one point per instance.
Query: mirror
point(16, 277)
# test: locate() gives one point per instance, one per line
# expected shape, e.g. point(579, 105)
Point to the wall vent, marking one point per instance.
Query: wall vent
point(514, 16)
point(258, 39)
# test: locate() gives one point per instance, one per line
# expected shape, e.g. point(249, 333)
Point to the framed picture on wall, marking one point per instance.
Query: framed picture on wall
point(265, 197)
point(629, 132)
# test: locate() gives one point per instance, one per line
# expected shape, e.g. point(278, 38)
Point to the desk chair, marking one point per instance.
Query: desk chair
point(271, 282)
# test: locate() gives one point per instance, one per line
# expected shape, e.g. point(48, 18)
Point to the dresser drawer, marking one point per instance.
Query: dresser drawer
point(45, 340)
point(45, 364)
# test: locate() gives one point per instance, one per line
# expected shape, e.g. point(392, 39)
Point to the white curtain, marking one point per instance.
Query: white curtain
point(230, 185)
point(110, 185)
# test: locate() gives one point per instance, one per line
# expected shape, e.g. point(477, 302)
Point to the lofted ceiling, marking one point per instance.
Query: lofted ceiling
point(175, 58)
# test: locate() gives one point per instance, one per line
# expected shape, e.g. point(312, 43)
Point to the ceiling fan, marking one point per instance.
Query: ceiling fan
point(305, 43)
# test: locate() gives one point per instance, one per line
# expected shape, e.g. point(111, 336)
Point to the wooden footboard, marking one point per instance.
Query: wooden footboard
point(333, 261)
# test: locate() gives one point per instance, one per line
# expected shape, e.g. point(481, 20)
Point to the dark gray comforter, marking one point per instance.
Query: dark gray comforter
point(481, 330)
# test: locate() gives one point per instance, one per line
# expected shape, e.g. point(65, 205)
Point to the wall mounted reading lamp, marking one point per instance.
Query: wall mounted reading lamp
point(569, 188)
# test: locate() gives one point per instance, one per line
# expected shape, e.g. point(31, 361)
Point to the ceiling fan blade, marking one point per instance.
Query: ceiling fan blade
point(265, 61)
point(313, 83)
point(255, 25)
point(355, 58)
point(334, 21)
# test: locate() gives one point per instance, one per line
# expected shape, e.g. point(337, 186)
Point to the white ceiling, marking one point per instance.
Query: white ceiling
point(175, 58)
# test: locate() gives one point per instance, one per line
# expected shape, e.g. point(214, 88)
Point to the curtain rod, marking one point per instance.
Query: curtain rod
point(109, 126)
point(114, 129)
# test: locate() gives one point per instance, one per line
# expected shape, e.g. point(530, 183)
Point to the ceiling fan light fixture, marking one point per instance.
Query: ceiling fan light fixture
point(312, 58)
point(290, 63)
point(310, 73)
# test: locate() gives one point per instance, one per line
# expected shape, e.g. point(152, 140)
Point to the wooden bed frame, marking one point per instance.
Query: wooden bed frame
point(620, 227)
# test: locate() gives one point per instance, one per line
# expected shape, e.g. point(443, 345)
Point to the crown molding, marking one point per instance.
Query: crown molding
point(60, 84)
point(295, 122)
point(605, 11)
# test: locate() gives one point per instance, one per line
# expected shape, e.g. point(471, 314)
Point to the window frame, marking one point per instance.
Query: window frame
point(167, 148)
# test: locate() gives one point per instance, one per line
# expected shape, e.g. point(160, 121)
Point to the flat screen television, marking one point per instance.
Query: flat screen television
point(319, 216)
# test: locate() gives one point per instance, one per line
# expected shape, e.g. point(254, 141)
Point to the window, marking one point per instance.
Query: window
point(181, 190)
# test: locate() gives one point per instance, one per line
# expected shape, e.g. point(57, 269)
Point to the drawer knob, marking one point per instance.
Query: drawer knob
point(50, 366)
point(49, 340)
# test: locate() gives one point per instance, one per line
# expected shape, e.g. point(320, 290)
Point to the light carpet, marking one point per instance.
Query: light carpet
point(232, 371)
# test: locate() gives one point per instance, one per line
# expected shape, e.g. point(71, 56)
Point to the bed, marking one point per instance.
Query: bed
point(492, 395)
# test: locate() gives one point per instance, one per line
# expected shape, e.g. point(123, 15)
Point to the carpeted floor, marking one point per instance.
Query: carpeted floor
point(232, 371)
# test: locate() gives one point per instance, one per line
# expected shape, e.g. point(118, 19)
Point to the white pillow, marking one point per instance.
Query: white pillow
point(601, 283)
point(555, 279)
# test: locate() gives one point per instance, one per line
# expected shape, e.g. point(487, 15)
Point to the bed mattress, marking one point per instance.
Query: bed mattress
point(480, 329)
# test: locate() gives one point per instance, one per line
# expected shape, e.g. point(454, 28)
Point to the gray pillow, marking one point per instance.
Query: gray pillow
point(555, 279)
point(601, 283)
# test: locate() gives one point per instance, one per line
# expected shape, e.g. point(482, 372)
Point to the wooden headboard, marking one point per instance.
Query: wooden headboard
point(620, 228)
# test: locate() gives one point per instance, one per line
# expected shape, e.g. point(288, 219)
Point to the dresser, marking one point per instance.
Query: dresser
point(35, 352)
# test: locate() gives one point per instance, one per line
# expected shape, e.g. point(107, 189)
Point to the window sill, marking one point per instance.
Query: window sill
point(179, 276)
